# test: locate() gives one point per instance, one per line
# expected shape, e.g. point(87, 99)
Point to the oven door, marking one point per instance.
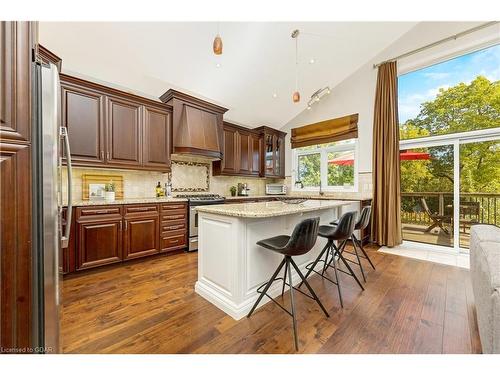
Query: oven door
point(193, 222)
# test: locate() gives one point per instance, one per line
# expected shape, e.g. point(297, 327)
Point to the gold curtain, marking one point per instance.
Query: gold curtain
point(386, 206)
point(333, 130)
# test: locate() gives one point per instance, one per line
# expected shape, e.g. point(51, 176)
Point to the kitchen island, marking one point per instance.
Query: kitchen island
point(231, 266)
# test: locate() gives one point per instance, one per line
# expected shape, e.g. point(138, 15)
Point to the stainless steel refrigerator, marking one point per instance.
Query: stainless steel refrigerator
point(50, 142)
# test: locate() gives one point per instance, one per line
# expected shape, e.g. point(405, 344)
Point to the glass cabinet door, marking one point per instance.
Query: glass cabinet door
point(269, 157)
point(277, 159)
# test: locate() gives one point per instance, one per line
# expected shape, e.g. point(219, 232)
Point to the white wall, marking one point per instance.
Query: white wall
point(356, 94)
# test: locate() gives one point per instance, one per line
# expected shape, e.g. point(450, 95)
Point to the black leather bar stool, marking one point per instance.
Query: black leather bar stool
point(300, 242)
point(341, 233)
point(362, 223)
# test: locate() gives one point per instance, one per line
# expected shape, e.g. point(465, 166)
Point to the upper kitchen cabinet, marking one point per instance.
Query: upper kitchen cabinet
point(272, 153)
point(157, 138)
point(115, 129)
point(47, 56)
point(124, 122)
point(196, 126)
point(16, 40)
point(82, 113)
point(241, 153)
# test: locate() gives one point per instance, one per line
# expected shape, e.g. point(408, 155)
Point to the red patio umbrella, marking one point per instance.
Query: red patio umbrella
point(403, 155)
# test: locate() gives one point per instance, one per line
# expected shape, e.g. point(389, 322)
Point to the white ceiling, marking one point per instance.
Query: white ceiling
point(258, 59)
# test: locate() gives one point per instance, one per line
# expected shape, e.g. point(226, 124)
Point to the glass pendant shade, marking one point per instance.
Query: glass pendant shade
point(296, 97)
point(217, 45)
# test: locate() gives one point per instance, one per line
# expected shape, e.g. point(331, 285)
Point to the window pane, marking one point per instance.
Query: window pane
point(341, 169)
point(309, 169)
point(454, 96)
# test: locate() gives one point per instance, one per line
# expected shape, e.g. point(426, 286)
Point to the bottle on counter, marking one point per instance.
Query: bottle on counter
point(159, 190)
point(168, 189)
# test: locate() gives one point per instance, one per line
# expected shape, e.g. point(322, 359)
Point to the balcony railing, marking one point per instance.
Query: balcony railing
point(482, 208)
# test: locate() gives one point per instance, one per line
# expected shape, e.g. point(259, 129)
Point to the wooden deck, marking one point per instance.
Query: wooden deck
point(416, 232)
point(409, 306)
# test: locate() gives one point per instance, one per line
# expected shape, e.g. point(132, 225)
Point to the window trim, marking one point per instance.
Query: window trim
point(323, 151)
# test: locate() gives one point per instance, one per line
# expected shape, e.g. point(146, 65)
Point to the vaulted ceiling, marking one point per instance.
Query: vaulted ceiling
point(255, 75)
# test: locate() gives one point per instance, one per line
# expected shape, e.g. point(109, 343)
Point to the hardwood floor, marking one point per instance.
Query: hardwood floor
point(409, 306)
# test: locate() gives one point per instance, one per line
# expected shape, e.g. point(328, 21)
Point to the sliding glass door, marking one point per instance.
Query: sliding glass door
point(437, 172)
point(427, 194)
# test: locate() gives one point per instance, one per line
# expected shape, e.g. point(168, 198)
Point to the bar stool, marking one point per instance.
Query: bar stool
point(341, 233)
point(362, 223)
point(300, 242)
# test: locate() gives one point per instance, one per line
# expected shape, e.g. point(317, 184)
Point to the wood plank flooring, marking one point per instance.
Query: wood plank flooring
point(409, 306)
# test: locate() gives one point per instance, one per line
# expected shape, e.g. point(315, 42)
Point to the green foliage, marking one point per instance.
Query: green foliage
point(309, 169)
point(461, 108)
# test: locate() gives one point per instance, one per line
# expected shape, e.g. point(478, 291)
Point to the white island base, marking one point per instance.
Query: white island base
point(231, 266)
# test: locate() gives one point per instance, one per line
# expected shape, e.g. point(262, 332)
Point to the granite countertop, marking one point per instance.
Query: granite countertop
point(330, 196)
point(126, 201)
point(269, 209)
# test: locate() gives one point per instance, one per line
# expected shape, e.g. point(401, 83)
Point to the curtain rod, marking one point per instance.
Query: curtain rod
point(453, 37)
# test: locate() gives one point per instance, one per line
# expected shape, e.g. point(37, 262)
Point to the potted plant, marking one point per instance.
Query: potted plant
point(109, 191)
point(232, 189)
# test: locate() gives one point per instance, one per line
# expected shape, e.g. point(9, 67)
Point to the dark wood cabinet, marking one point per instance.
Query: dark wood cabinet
point(82, 112)
point(157, 138)
point(98, 236)
point(115, 129)
point(17, 41)
point(107, 234)
point(272, 152)
point(173, 227)
point(124, 124)
point(141, 231)
point(241, 153)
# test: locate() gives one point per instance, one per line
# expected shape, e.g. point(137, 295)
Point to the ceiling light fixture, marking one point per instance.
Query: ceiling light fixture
point(296, 94)
point(275, 95)
point(217, 45)
point(316, 97)
point(217, 65)
point(312, 61)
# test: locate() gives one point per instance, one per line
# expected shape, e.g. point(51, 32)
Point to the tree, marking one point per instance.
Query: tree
point(460, 108)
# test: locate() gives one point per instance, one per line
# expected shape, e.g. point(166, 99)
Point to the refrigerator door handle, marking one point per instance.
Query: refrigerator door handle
point(67, 231)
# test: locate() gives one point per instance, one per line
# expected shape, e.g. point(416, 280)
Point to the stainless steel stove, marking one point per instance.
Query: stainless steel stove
point(195, 200)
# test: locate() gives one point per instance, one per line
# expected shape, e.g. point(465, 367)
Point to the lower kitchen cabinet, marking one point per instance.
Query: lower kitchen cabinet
point(141, 233)
point(114, 233)
point(99, 243)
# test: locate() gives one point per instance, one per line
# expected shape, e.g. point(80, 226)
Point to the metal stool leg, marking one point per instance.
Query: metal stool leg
point(363, 251)
point(337, 279)
point(348, 267)
point(293, 306)
point(309, 287)
point(284, 280)
point(315, 262)
point(359, 260)
point(268, 285)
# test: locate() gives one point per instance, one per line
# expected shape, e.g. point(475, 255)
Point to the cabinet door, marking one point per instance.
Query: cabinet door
point(229, 160)
point(255, 142)
point(15, 80)
point(123, 132)
point(244, 153)
point(141, 237)
point(279, 158)
point(99, 243)
point(268, 155)
point(82, 112)
point(157, 136)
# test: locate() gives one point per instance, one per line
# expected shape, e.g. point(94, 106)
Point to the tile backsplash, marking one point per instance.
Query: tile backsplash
point(141, 184)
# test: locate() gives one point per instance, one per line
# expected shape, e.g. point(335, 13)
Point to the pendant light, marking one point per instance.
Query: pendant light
point(217, 46)
point(296, 94)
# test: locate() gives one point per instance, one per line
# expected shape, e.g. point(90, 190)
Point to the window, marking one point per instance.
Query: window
point(450, 149)
point(330, 166)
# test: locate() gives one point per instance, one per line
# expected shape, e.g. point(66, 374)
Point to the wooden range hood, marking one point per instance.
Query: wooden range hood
point(196, 125)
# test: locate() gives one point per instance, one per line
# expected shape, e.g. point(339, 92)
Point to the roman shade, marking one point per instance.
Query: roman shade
point(333, 130)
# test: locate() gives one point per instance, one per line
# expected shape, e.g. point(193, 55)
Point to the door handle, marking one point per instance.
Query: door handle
point(67, 231)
